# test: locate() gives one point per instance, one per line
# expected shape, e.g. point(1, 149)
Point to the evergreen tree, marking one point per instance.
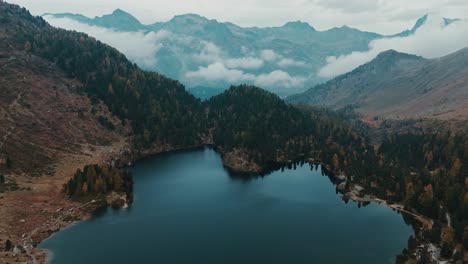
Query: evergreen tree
point(8, 162)
point(8, 245)
point(95, 180)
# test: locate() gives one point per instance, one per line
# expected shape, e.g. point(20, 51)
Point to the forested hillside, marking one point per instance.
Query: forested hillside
point(248, 118)
point(428, 173)
point(159, 109)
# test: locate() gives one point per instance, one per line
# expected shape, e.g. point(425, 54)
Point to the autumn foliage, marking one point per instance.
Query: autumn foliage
point(95, 180)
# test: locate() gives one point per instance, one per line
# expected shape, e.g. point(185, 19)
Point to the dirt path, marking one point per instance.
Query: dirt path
point(427, 222)
point(449, 221)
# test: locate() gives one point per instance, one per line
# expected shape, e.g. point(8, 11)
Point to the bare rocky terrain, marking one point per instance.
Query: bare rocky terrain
point(48, 130)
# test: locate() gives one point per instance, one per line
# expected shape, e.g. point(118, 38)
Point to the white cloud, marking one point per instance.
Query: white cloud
point(278, 79)
point(272, 57)
point(218, 72)
point(142, 48)
point(244, 50)
point(244, 63)
point(432, 40)
point(210, 53)
point(232, 70)
point(269, 55)
point(345, 63)
point(137, 46)
point(285, 63)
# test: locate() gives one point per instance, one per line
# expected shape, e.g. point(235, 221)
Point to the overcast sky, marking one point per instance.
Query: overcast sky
point(382, 16)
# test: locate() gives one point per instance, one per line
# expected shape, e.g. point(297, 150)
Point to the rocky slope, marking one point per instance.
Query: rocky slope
point(396, 85)
point(48, 129)
point(43, 115)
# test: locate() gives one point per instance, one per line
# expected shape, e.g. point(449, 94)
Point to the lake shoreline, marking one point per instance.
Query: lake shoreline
point(299, 189)
point(427, 222)
point(84, 212)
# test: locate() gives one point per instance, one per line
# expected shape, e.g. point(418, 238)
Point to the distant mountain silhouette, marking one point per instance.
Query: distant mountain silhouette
point(299, 49)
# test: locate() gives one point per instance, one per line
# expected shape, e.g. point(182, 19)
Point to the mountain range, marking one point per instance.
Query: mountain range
point(69, 100)
point(208, 56)
point(398, 85)
point(85, 86)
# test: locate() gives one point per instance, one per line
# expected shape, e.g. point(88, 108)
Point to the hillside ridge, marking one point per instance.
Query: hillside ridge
point(397, 85)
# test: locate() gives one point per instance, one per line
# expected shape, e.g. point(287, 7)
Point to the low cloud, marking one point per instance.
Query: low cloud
point(434, 39)
point(218, 72)
point(139, 47)
point(286, 63)
point(210, 53)
point(244, 63)
point(269, 55)
point(235, 70)
point(278, 79)
point(204, 61)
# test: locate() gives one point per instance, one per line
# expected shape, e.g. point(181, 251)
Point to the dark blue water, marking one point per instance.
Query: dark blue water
point(188, 209)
